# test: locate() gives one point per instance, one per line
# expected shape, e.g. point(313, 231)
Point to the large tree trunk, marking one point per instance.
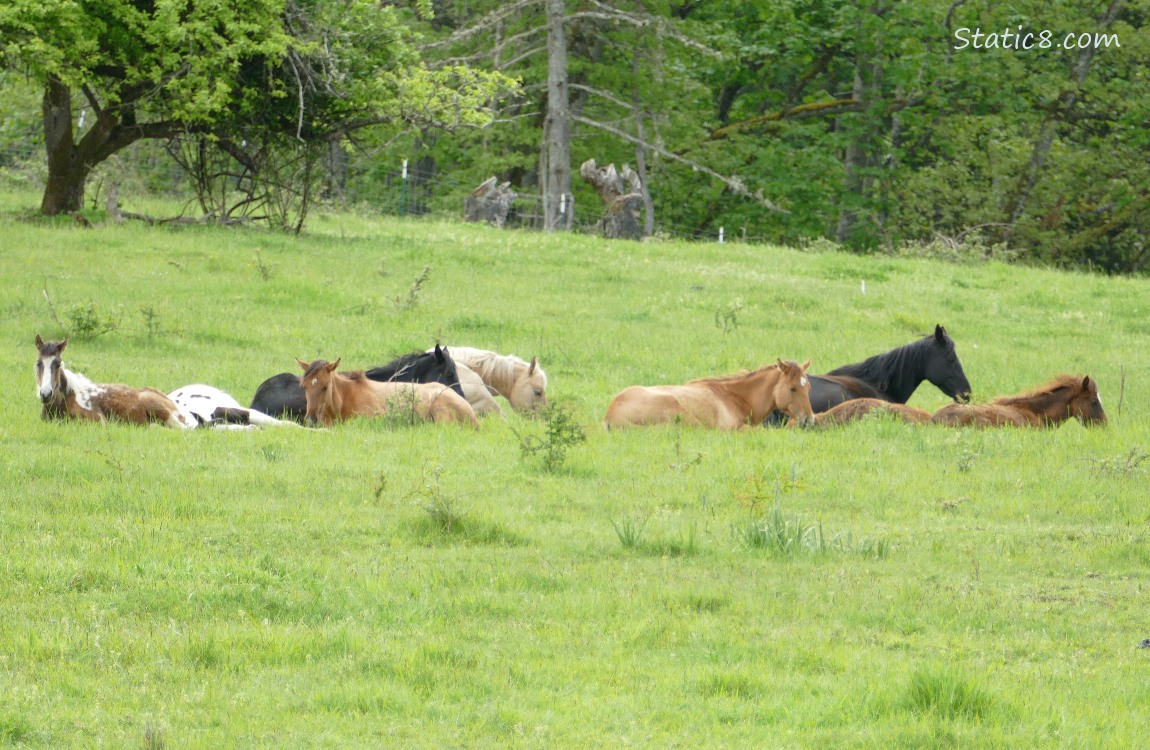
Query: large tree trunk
point(67, 172)
point(556, 156)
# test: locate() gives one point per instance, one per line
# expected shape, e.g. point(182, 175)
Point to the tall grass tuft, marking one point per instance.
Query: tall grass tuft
point(946, 693)
point(791, 536)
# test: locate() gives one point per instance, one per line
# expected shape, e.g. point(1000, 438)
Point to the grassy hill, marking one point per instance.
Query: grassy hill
point(879, 585)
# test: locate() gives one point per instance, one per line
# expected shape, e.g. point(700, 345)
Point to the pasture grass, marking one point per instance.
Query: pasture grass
point(386, 584)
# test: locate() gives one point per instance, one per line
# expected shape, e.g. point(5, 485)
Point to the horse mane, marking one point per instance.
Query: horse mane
point(492, 366)
point(893, 373)
point(1042, 394)
point(315, 367)
point(720, 379)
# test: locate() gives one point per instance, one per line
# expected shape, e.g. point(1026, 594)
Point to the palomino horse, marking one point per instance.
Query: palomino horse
point(215, 408)
point(895, 375)
point(283, 396)
point(857, 408)
point(726, 403)
point(69, 395)
point(522, 383)
point(1062, 398)
point(335, 396)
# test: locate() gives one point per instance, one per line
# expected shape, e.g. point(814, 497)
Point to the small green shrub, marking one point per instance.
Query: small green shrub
point(561, 433)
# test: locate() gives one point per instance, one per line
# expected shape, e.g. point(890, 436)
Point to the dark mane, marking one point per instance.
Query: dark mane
point(314, 367)
point(51, 348)
point(896, 373)
point(435, 366)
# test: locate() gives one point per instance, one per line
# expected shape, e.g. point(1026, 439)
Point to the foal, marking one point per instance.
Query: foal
point(69, 395)
point(727, 403)
point(335, 396)
point(1065, 397)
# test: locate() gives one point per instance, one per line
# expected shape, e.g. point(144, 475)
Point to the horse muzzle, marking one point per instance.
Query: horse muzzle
point(962, 398)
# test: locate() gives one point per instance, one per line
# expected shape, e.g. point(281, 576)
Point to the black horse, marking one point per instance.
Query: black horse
point(282, 396)
point(893, 376)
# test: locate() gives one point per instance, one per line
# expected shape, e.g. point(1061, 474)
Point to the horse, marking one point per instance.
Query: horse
point(477, 393)
point(65, 394)
point(1063, 397)
point(335, 396)
point(282, 396)
point(522, 383)
point(895, 375)
point(729, 402)
point(857, 408)
point(215, 408)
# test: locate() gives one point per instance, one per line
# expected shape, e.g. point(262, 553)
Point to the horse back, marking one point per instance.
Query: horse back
point(828, 391)
point(663, 404)
point(281, 396)
point(981, 415)
point(857, 408)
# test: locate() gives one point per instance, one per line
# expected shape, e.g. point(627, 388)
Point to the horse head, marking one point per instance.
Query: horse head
point(529, 392)
point(317, 382)
point(1085, 404)
point(943, 369)
point(793, 392)
point(49, 369)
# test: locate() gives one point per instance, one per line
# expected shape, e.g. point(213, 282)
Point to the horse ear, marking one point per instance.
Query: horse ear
point(534, 363)
point(302, 365)
point(63, 343)
point(939, 334)
point(806, 365)
point(1089, 385)
point(332, 365)
point(39, 341)
point(440, 353)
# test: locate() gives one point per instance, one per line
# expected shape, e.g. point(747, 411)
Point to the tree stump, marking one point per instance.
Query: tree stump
point(489, 202)
point(619, 191)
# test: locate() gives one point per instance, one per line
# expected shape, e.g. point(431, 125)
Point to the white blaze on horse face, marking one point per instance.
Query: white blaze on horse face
point(803, 381)
point(44, 377)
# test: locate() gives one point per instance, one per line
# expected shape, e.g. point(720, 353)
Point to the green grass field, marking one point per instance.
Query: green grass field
point(875, 586)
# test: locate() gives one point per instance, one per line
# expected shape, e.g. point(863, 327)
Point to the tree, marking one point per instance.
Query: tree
point(155, 69)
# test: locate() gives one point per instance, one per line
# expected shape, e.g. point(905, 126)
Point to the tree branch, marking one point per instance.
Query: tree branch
point(734, 183)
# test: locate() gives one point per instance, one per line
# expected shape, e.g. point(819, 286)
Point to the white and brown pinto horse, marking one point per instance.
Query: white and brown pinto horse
point(522, 383)
point(219, 409)
point(69, 395)
point(729, 402)
point(335, 396)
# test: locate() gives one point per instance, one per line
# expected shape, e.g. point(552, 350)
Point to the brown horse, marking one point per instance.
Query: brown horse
point(69, 395)
point(1062, 398)
point(335, 396)
point(727, 403)
point(857, 408)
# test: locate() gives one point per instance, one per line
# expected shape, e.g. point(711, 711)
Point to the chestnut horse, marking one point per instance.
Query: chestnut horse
point(1062, 398)
point(726, 403)
point(69, 395)
point(335, 396)
point(857, 408)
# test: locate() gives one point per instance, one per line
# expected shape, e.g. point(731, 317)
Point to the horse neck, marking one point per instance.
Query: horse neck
point(754, 393)
point(497, 371)
point(76, 393)
point(896, 374)
point(1049, 406)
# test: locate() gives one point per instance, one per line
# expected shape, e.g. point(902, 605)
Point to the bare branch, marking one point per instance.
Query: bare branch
point(482, 24)
point(734, 183)
point(599, 92)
